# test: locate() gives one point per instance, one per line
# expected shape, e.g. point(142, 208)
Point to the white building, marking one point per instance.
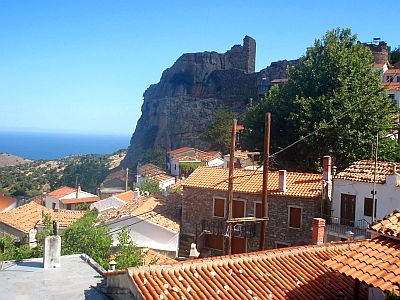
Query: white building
point(352, 197)
point(115, 201)
point(68, 198)
point(391, 82)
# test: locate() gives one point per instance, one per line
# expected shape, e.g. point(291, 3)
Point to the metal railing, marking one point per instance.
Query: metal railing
point(219, 227)
point(343, 226)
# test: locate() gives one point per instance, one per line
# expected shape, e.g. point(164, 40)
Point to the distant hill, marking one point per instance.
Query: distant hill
point(9, 160)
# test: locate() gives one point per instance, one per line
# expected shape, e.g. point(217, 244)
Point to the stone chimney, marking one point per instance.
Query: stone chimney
point(318, 231)
point(327, 168)
point(78, 191)
point(282, 181)
point(52, 249)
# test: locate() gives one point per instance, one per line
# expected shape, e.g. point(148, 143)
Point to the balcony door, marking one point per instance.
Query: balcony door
point(347, 209)
point(238, 211)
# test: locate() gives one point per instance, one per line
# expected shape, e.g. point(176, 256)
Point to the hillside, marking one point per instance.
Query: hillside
point(35, 177)
point(8, 160)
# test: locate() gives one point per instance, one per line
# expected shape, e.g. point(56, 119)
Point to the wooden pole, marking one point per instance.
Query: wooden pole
point(374, 181)
point(264, 203)
point(230, 186)
point(126, 179)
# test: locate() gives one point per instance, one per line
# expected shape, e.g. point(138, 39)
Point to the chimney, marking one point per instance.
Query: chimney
point(78, 191)
point(136, 194)
point(327, 167)
point(52, 249)
point(193, 251)
point(282, 181)
point(318, 231)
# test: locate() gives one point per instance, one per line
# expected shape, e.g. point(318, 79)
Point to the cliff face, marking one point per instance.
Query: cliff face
point(176, 110)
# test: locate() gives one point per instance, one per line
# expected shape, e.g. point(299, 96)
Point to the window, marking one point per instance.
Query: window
point(219, 207)
point(368, 207)
point(69, 206)
point(53, 205)
point(281, 245)
point(294, 217)
point(258, 210)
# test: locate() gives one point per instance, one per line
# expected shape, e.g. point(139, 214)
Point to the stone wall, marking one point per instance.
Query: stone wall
point(197, 204)
point(380, 52)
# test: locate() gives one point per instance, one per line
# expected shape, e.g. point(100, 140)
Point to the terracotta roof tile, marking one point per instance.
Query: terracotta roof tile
point(363, 171)
point(389, 225)
point(392, 86)
point(375, 262)
point(80, 200)
point(26, 217)
point(184, 158)
point(126, 196)
point(392, 71)
point(305, 185)
point(290, 273)
point(6, 201)
point(62, 192)
point(179, 150)
point(154, 172)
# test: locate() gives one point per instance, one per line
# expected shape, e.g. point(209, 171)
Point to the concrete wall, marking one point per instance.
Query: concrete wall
point(198, 205)
point(146, 234)
point(387, 195)
point(108, 203)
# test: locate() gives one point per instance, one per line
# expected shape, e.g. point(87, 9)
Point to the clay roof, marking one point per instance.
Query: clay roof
point(392, 71)
point(389, 225)
point(287, 273)
point(26, 217)
point(126, 196)
point(392, 86)
point(179, 150)
point(185, 158)
point(375, 262)
point(157, 258)
point(6, 201)
point(62, 192)
point(242, 154)
point(80, 200)
point(205, 156)
point(154, 172)
point(378, 65)
point(125, 210)
point(305, 185)
point(363, 171)
point(162, 211)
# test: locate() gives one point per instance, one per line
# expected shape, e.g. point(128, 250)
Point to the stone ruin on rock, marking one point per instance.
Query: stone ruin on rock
point(176, 110)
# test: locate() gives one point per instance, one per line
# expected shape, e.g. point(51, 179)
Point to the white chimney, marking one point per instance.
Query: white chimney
point(193, 251)
point(282, 181)
point(52, 249)
point(78, 191)
point(136, 194)
point(327, 168)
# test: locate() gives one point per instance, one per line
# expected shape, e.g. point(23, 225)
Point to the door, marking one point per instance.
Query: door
point(238, 208)
point(347, 209)
point(238, 243)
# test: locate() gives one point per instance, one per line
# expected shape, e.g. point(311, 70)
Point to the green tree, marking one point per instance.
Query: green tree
point(148, 185)
point(218, 133)
point(84, 236)
point(38, 251)
point(10, 250)
point(128, 254)
point(395, 55)
point(333, 89)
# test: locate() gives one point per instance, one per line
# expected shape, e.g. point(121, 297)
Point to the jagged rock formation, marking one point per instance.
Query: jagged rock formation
point(176, 110)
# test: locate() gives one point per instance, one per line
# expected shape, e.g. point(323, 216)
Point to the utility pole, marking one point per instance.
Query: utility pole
point(126, 179)
point(230, 186)
point(264, 203)
point(374, 182)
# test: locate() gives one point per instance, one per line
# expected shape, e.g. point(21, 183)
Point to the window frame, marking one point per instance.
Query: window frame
point(245, 205)
point(301, 216)
point(213, 208)
point(255, 208)
point(372, 206)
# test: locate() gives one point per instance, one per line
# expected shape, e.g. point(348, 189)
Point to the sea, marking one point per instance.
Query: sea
point(48, 146)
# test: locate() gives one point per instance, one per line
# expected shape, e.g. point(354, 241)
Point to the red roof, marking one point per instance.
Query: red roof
point(305, 185)
point(6, 202)
point(179, 150)
point(62, 192)
point(126, 196)
point(79, 200)
point(392, 86)
point(287, 273)
point(389, 225)
point(392, 71)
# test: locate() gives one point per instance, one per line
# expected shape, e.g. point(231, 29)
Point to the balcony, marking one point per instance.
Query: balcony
point(340, 227)
point(219, 227)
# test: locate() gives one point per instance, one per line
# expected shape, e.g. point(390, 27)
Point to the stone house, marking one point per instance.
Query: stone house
point(294, 199)
point(352, 206)
point(25, 221)
point(242, 159)
point(68, 198)
point(152, 172)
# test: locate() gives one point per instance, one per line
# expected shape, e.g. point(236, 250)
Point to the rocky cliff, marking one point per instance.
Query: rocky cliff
point(176, 110)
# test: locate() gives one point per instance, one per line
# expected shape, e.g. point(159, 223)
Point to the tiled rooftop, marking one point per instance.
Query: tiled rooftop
point(390, 225)
point(392, 86)
point(26, 217)
point(392, 71)
point(305, 185)
point(80, 200)
point(242, 154)
point(126, 196)
point(154, 172)
point(288, 273)
point(363, 171)
point(179, 150)
point(375, 262)
point(6, 201)
point(61, 192)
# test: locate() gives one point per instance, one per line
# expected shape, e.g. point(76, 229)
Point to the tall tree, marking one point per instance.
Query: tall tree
point(332, 89)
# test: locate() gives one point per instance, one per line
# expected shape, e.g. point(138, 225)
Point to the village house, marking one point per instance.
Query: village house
point(294, 199)
point(351, 208)
point(7, 203)
point(25, 221)
point(286, 273)
point(115, 201)
point(118, 181)
point(374, 262)
point(68, 198)
point(183, 161)
point(242, 159)
point(152, 172)
point(153, 223)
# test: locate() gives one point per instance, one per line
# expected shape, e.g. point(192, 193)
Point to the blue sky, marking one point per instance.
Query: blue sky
point(82, 66)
